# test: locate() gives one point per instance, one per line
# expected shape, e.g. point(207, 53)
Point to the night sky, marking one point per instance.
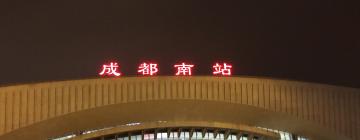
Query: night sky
point(306, 40)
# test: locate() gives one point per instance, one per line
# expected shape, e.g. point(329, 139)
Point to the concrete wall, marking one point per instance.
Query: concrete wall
point(335, 109)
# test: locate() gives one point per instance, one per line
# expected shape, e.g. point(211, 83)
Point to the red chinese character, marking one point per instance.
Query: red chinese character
point(110, 69)
point(183, 69)
point(224, 69)
point(148, 69)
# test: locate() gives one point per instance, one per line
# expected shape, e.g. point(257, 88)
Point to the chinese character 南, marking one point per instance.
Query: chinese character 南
point(183, 69)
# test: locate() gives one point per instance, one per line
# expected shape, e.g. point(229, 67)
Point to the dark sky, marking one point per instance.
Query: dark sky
point(307, 40)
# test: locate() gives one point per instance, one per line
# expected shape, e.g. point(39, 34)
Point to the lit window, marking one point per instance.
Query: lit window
point(220, 136)
point(136, 137)
point(184, 135)
point(197, 135)
point(149, 136)
point(173, 134)
point(211, 135)
point(162, 135)
point(232, 137)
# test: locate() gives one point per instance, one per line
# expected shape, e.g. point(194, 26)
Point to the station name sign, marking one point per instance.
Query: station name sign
point(151, 69)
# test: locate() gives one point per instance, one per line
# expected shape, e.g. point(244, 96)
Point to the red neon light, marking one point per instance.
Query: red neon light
point(110, 70)
point(183, 69)
point(148, 69)
point(224, 69)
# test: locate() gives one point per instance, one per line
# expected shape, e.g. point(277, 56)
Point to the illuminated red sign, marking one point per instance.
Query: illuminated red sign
point(224, 69)
point(110, 70)
point(148, 69)
point(183, 69)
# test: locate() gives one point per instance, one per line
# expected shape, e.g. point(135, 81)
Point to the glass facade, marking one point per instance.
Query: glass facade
point(181, 134)
point(285, 135)
point(189, 134)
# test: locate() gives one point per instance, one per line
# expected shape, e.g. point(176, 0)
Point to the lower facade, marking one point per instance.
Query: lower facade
point(134, 108)
point(175, 131)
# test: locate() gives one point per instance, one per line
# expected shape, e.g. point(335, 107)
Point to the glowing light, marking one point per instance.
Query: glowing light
point(110, 70)
point(148, 69)
point(132, 124)
point(183, 69)
point(224, 69)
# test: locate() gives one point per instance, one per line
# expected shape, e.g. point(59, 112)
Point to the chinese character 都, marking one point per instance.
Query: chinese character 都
point(148, 69)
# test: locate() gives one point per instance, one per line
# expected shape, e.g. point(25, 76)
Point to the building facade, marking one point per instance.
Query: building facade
point(134, 108)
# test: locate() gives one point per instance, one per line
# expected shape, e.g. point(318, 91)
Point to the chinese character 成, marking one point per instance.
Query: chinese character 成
point(110, 69)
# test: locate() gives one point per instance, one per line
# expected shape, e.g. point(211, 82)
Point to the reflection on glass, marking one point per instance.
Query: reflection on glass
point(196, 135)
point(149, 136)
